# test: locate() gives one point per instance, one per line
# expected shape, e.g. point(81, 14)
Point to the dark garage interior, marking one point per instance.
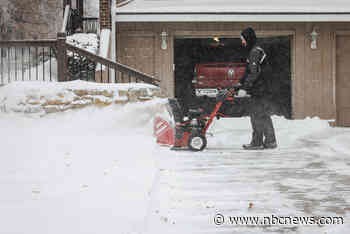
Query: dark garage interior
point(191, 51)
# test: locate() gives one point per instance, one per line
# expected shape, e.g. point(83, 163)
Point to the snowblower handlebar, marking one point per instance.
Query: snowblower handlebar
point(224, 94)
point(237, 87)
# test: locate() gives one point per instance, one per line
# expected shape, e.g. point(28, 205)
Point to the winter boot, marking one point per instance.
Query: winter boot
point(256, 143)
point(271, 145)
point(253, 147)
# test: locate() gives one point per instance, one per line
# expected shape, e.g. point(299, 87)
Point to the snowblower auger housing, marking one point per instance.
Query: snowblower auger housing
point(188, 132)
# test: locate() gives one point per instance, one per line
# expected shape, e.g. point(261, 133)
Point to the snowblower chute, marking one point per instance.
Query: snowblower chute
point(165, 124)
point(188, 132)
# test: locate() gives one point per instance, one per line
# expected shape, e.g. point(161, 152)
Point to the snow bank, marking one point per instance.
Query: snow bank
point(77, 172)
point(49, 97)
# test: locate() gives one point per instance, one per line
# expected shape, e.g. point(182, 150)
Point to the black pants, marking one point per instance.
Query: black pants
point(259, 112)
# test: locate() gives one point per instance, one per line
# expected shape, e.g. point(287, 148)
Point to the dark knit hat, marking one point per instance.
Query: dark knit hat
point(249, 36)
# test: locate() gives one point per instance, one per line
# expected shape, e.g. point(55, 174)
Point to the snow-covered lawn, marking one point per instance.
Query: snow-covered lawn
point(99, 170)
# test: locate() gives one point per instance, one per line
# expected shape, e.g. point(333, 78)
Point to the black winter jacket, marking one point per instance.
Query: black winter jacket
point(258, 71)
point(256, 80)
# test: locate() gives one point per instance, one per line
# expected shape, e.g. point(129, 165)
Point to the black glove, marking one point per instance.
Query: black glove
point(221, 96)
point(247, 85)
point(237, 87)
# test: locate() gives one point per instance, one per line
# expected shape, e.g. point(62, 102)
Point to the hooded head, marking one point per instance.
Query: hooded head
point(249, 36)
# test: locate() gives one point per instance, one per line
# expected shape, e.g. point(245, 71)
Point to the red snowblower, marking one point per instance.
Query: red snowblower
point(189, 132)
point(210, 83)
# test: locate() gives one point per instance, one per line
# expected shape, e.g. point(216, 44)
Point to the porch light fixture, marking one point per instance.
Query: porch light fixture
point(314, 35)
point(163, 36)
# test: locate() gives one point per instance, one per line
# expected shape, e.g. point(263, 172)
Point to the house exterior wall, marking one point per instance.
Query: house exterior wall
point(342, 84)
point(30, 19)
point(313, 70)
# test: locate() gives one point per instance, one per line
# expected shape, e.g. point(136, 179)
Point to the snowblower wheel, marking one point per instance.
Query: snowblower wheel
point(197, 142)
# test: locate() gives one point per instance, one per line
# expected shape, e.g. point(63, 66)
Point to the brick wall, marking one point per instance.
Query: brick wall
point(30, 19)
point(105, 14)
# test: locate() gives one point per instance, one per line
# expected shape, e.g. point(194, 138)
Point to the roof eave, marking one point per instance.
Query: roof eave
point(232, 17)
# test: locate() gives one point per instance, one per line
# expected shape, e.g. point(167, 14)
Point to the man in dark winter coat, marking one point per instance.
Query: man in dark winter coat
point(255, 83)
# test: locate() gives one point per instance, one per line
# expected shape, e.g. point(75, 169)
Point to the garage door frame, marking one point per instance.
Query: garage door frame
point(334, 68)
point(236, 34)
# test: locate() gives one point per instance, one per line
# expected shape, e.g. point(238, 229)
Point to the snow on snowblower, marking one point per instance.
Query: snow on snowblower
point(189, 132)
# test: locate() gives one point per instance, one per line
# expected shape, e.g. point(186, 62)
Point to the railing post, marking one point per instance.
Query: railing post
point(61, 57)
point(80, 6)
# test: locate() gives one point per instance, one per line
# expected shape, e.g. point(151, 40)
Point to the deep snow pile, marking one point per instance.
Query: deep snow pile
point(87, 171)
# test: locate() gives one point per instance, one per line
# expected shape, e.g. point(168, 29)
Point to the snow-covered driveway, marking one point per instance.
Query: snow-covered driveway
point(100, 171)
point(308, 175)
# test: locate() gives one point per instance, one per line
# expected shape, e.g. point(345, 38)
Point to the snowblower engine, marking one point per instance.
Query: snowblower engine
point(188, 132)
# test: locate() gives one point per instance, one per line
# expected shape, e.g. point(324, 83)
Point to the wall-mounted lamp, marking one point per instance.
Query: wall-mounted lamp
point(314, 35)
point(163, 36)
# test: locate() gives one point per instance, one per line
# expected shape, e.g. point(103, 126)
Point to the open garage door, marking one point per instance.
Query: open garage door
point(191, 51)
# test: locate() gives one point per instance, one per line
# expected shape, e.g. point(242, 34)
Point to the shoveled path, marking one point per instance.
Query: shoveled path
point(306, 179)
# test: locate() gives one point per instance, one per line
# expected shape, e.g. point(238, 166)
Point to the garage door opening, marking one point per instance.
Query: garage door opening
point(191, 51)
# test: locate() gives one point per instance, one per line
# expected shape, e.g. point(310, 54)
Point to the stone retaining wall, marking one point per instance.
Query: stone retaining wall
point(77, 98)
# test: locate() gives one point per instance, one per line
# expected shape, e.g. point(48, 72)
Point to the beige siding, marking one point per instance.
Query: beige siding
point(318, 79)
point(137, 51)
point(164, 63)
